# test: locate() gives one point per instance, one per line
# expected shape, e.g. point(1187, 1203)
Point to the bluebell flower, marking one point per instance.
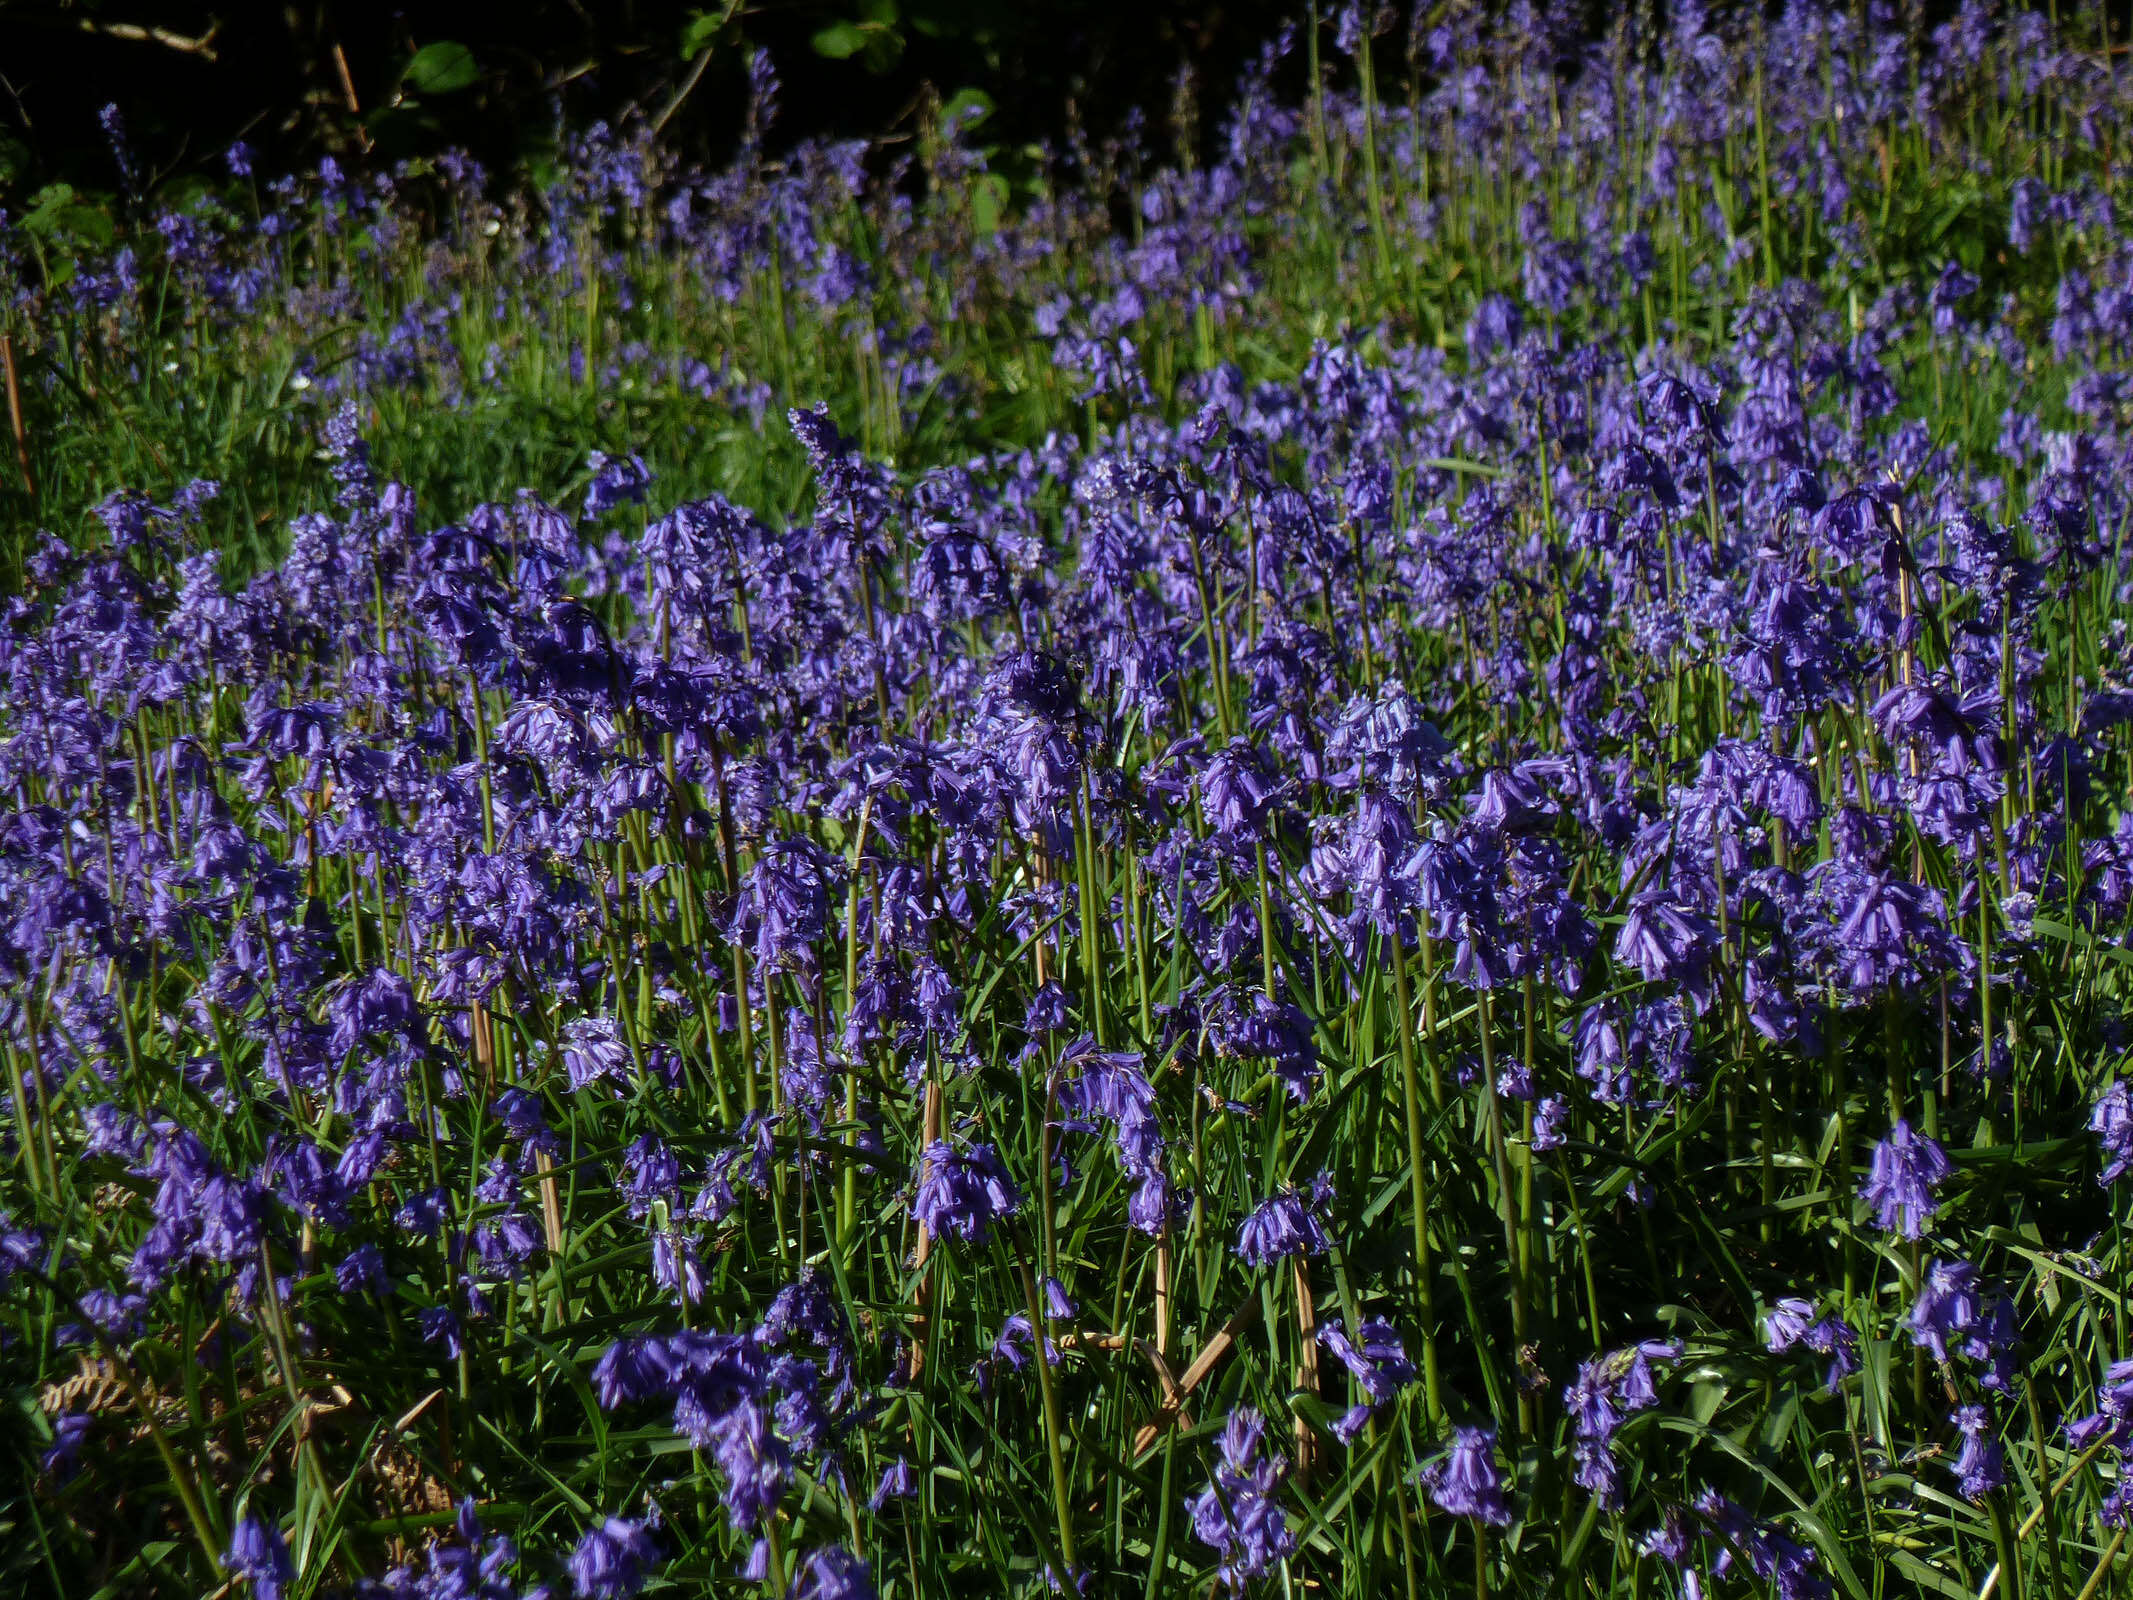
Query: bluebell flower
point(1238, 791)
point(1286, 1224)
point(631, 1369)
point(1783, 1563)
point(1906, 1168)
point(1495, 326)
point(1051, 1010)
point(440, 1325)
point(1981, 1467)
point(757, 1464)
point(1377, 1361)
point(1111, 1086)
point(1548, 1120)
point(361, 1271)
point(1948, 1307)
point(350, 458)
point(1665, 940)
point(675, 1266)
point(594, 1052)
point(1792, 1323)
point(258, 1555)
point(616, 480)
point(1017, 1336)
point(650, 1172)
point(2111, 1121)
point(962, 1193)
point(62, 1458)
point(1605, 1051)
point(232, 1219)
point(783, 909)
point(609, 1562)
point(1609, 1390)
point(1239, 1513)
point(831, 1573)
point(756, 1568)
point(1154, 1205)
point(1785, 1323)
point(2112, 1420)
point(898, 1482)
point(464, 1565)
point(1672, 1542)
point(1466, 1482)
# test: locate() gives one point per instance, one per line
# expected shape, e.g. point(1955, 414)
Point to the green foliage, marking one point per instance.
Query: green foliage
point(872, 36)
point(441, 68)
point(702, 31)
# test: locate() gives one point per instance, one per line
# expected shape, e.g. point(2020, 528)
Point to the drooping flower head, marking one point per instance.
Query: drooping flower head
point(1287, 1224)
point(2112, 1420)
point(2112, 1122)
point(784, 904)
point(1792, 1323)
point(1948, 1307)
point(1377, 1361)
point(1784, 1563)
point(257, 1554)
point(1907, 1167)
point(610, 1561)
point(1237, 792)
point(1466, 1482)
point(831, 1573)
point(1981, 1467)
point(1239, 1513)
point(62, 1458)
point(1610, 1390)
point(961, 1193)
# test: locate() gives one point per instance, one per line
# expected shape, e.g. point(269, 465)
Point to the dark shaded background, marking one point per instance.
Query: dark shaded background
point(190, 78)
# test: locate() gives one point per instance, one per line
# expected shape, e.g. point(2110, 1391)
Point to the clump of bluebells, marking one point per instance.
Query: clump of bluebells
point(1414, 874)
